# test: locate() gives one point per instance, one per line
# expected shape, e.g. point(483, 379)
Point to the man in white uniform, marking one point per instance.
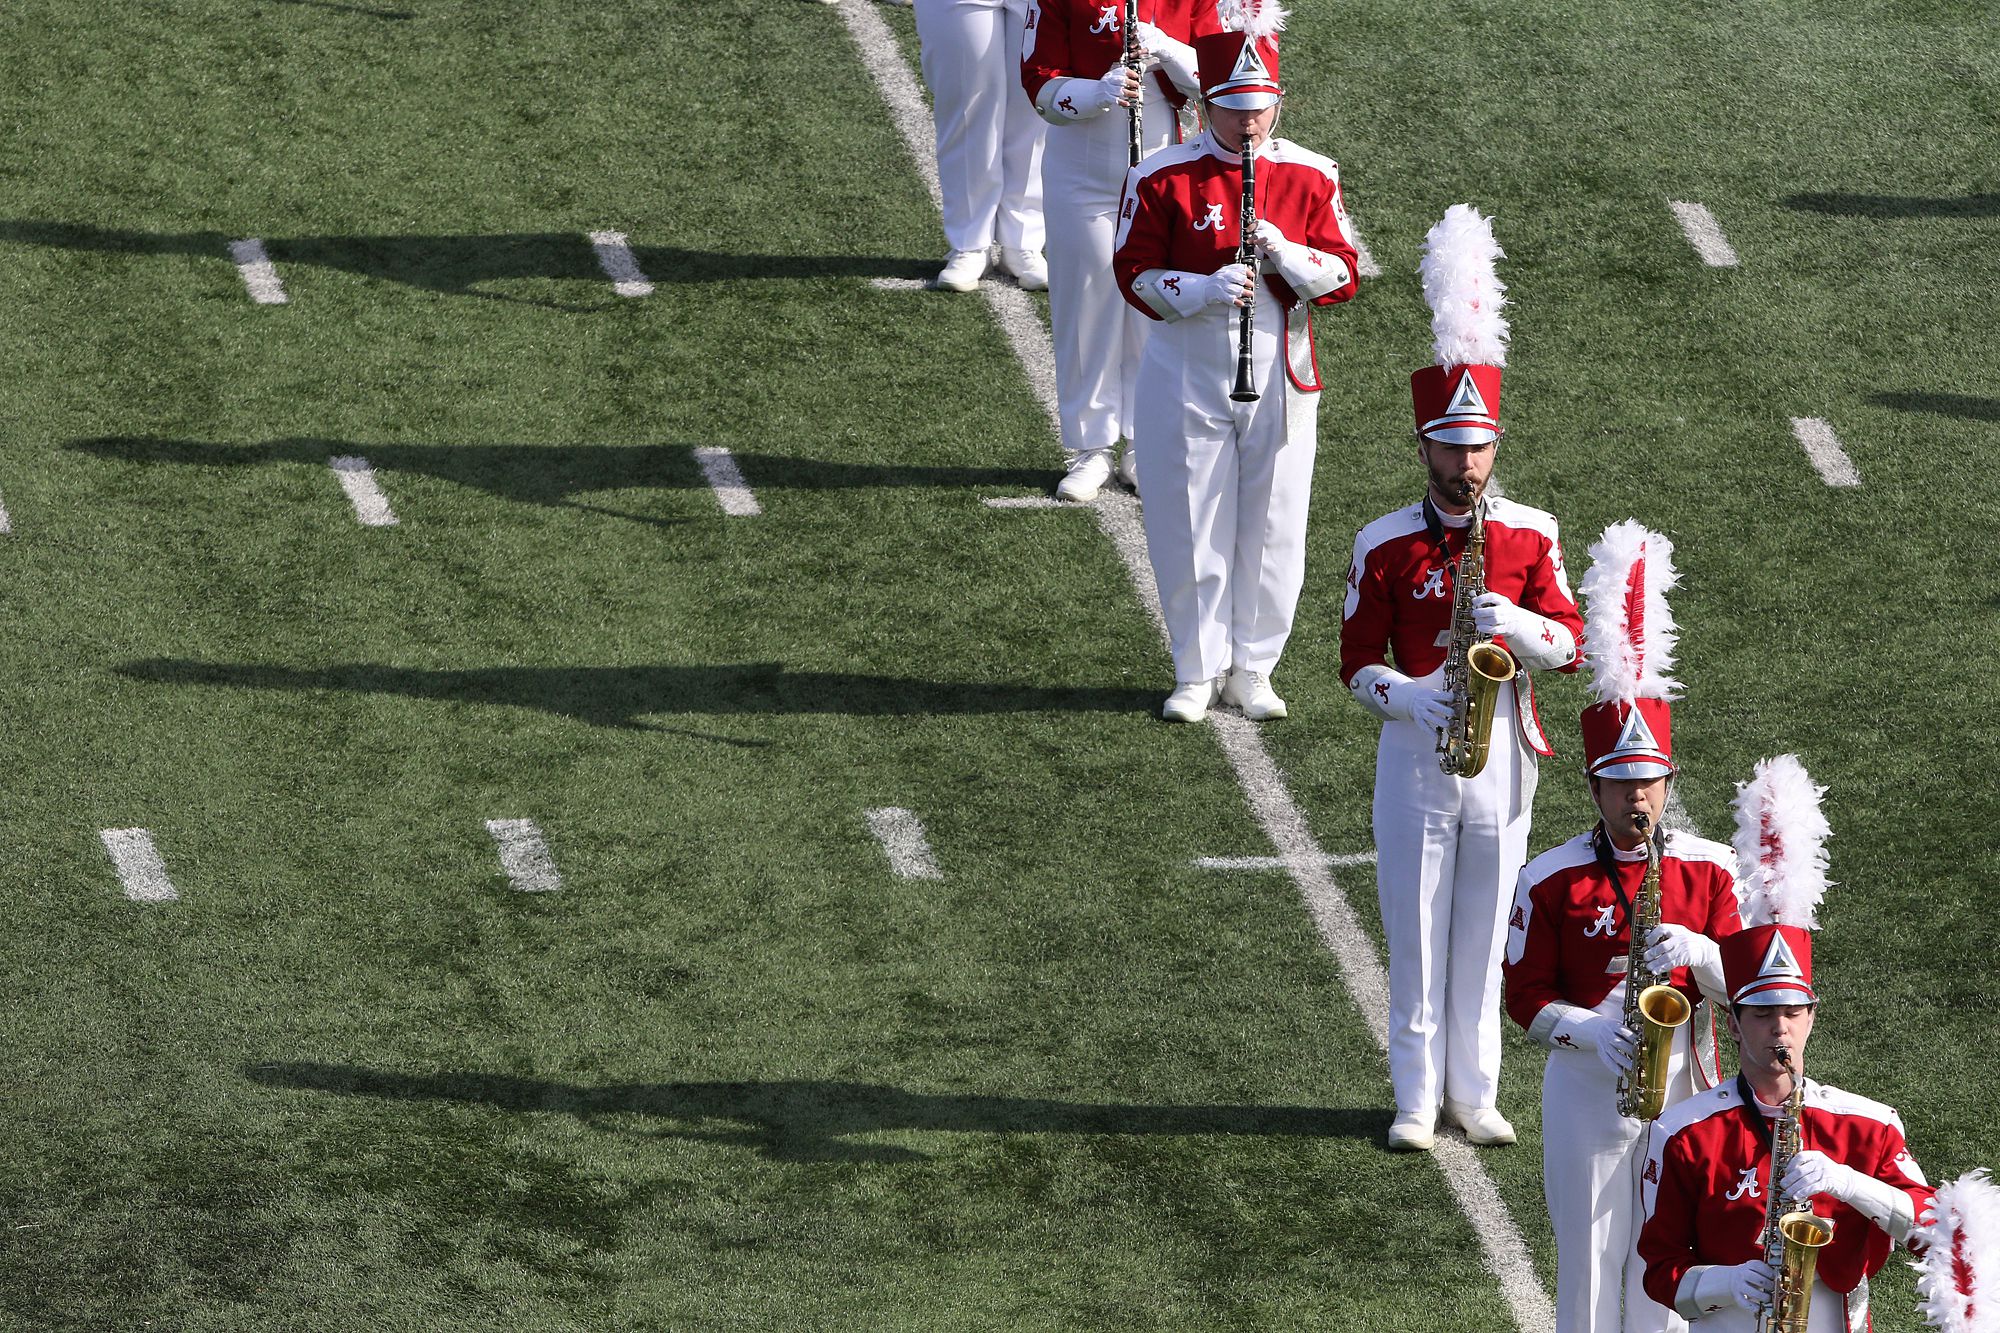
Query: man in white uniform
point(989, 140)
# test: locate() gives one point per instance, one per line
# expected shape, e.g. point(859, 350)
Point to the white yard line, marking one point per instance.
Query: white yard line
point(371, 506)
point(1276, 862)
point(1028, 502)
point(1704, 233)
point(726, 480)
point(899, 284)
point(1822, 446)
point(615, 257)
point(6, 523)
point(259, 274)
point(1364, 263)
point(1263, 786)
point(524, 855)
point(901, 834)
point(140, 868)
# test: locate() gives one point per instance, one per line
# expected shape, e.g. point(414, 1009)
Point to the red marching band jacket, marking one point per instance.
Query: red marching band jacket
point(1706, 1184)
point(1081, 39)
point(1400, 591)
point(1569, 935)
point(1183, 209)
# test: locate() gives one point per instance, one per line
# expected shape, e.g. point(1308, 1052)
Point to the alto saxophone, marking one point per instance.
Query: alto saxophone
point(1653, 1009)
point(1474, 668)
point(1792, 1239)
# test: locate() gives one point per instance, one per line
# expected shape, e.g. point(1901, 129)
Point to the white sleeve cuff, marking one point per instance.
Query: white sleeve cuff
point(1561, 1023)
point(1547, 644)
point(1170, 293)
point(1884, 1205)
point(1691, 1303)
point(1309, 272)
point(1376, 700)
point(1066, 101)
point(1177, 60)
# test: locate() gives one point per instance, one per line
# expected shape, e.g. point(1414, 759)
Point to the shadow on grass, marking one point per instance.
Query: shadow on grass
point(1941, 404)
point(804, 1120)
point(618, 696)
point(552, 474)
point(364, 10)
point(1896, 205)
point(457, 265)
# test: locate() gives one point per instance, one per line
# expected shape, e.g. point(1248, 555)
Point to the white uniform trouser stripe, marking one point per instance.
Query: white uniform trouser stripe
point(1704, 233)
point(988, 139)
point(1822, 446)
point(140, 869)
point(260, 275)
point(1506, 1254)
point(615, 257)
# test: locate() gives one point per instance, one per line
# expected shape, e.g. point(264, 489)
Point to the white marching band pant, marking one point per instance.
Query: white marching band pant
point(1225, 487)
point(1097, 335)
point(989, 139)
point(1448, 852)
point(1591, 1160)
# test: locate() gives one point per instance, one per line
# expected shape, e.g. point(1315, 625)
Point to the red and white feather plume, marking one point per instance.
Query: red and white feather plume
point(1780, 845)
point(1253, 18)
point(1958, 1279)
point(1629, 633)
point(1462, 289)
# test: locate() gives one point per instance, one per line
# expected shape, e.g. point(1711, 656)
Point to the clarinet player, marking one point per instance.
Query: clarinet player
point(1449, 848)
point(1225, 483)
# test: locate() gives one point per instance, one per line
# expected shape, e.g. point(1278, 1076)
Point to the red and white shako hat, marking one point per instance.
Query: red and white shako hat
point(1629, 638)
point(1458, 399)
point(1239, 62)
point(1781, 878)
point(1958, 1278)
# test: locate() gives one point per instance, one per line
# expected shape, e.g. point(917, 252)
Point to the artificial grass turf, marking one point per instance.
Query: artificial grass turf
point(735, 1075)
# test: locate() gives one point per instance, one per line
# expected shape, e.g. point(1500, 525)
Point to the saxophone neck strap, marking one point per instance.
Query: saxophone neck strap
point(1765, 1130)
point(1613, 868)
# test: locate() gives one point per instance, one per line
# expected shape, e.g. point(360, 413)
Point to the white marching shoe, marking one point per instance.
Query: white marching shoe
point(1251, 691)
point(1030, 270)
point(1413, 1131)
point(1483, 1125)
point(1089, 469)
point(1190, 700)
point(962, 270)
point(1128, 467)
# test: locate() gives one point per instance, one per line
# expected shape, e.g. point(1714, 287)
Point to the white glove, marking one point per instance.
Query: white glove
point(1536, 640)
point(1671, 946)
point(1305, 270)
point(1427, 707)
point(1118, 85)
point(1228, 285)
point(1270, 238)
point(1719, 1286)
point(1617, 1045)
point(1494, 614)
point(1174, 57)
point(1813, 1172)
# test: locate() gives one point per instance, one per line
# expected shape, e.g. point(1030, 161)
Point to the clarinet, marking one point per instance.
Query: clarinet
point(1246, 253)
point(1133, 113)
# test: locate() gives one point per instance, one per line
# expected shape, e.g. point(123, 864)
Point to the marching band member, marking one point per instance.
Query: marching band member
point(1074, 70)
point(1449, 848)
point(1569, 945)
point(989, 140)
point(1708, 1187)
point(1226, 483)
point(1958, 1275)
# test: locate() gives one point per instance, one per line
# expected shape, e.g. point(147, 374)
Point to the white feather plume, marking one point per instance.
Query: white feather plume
point(1958, 1279)
point(1628, 632)
point(1463, 291)
point(1254, 18)
point(1780, 845)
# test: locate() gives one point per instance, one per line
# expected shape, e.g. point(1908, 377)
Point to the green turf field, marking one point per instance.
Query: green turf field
point(735, 1074)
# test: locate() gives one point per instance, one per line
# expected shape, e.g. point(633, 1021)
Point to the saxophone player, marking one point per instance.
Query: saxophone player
point(1707, 1191)
point(1449, 848)
point(1573, 963)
